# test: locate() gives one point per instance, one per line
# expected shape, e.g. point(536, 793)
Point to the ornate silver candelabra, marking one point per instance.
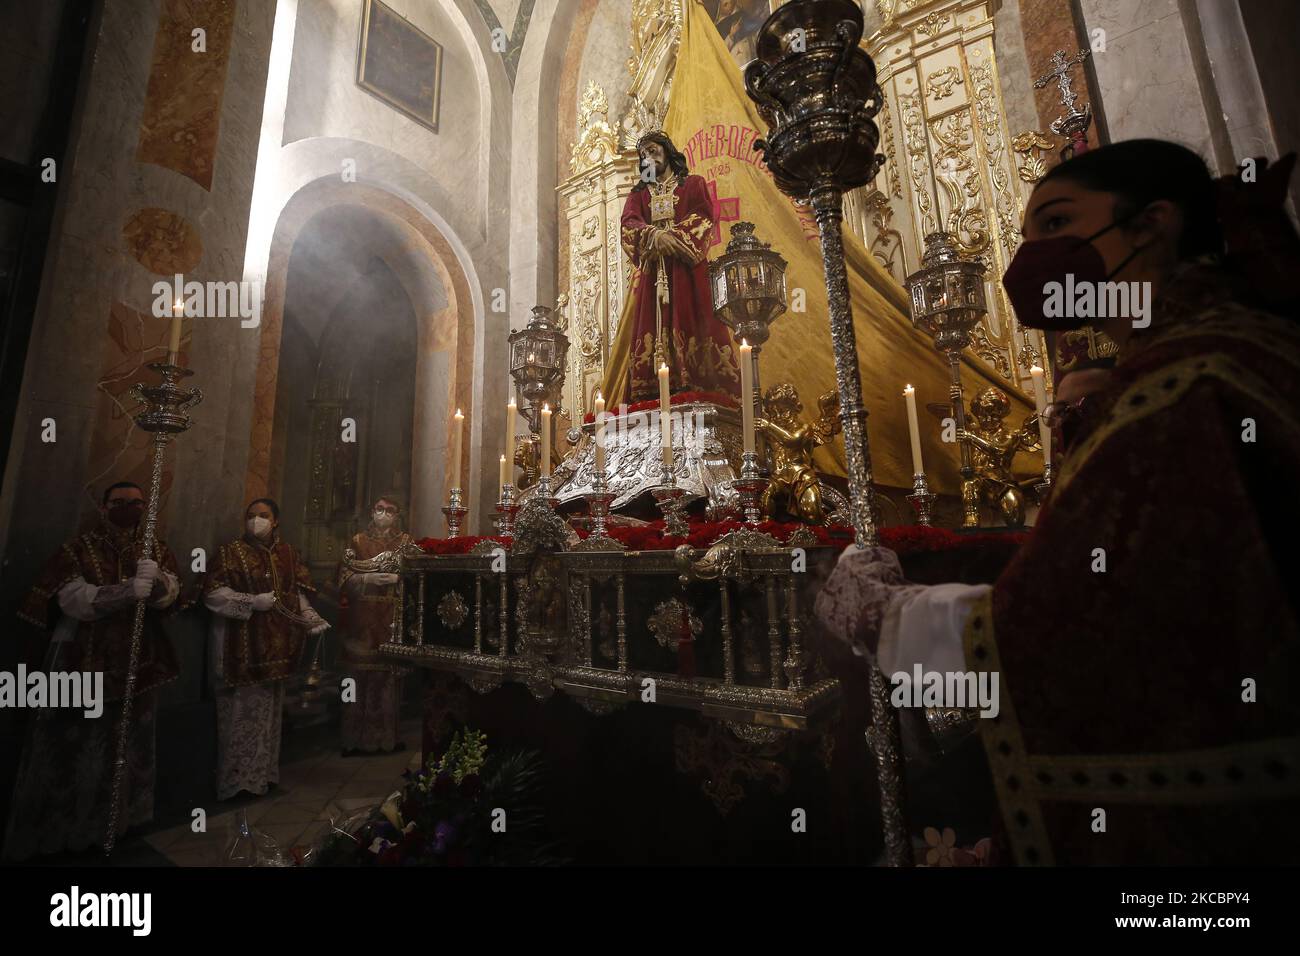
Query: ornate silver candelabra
point(507, 508)
point(750, 486)
point(748, 283)
point(816, 89)
point(455, 513)
point(672, 501)
point(163, 414)
point(922, 499)
point(947, 303)
point(598, 499)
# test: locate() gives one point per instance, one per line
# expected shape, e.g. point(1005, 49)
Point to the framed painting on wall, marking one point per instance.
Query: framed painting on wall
point(400, 64)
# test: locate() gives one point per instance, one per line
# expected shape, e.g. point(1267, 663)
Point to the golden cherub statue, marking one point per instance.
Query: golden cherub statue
point(792, 443)
point(992, 449)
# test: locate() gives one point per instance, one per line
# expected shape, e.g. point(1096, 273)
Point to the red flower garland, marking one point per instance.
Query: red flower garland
point(903, 540)
point(681, 398)
point(461, 545)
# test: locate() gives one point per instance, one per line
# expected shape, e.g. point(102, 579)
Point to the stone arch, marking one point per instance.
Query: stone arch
point(452, 331)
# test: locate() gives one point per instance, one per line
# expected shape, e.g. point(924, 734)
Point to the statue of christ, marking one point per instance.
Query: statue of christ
point(667, 221)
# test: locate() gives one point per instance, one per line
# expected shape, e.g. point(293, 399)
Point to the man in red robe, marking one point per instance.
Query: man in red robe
point(666, 224)
point(369, 602)
point(87, 596)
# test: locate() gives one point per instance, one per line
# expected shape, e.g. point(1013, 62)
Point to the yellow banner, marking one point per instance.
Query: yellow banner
point(712, 120)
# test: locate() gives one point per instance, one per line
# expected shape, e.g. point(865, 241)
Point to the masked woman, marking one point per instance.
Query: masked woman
point(257, 591)
point(1144, 634)
point(369, 600)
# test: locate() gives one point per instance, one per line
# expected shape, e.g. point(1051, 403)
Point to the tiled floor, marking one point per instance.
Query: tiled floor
point(312, 792)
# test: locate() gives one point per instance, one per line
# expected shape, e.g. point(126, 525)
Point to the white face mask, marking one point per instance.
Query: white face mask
point(259, 527)
point(383, 519)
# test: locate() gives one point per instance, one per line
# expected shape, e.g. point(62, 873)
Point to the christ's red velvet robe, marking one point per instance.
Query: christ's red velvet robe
point(699, 352)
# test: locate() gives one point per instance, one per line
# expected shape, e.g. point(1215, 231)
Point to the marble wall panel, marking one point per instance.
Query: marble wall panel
point(1148, 81)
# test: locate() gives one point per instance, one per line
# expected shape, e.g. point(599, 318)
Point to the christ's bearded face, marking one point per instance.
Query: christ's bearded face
point(653, 152)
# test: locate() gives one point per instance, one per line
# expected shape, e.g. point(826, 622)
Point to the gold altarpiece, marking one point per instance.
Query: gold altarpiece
point(952, 164)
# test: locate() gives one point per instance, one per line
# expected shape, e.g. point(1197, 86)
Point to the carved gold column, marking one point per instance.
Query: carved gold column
point(591, 200)
point(949, 160)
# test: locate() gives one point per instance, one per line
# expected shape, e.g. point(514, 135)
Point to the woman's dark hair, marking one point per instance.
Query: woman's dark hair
point(1142, 171)
point(676, 160)
point(275, 509)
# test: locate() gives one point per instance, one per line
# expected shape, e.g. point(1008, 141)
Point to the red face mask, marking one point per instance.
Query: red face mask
point(126, 515)
point(1041, 262)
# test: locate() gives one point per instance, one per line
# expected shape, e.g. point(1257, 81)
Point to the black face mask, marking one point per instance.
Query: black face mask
point(126, 515)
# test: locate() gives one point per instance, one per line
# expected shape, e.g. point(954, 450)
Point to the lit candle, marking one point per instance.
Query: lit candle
point(600, 434)
point(505, 478)
point(458, 420)
point(512, 412)
point(174, 343)
point(1040, 400)
point(914, 430)
point(747, 394)
point(665, 419)
point(546, 440)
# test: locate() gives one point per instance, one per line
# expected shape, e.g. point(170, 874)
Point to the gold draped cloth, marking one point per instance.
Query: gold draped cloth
point(712, 120)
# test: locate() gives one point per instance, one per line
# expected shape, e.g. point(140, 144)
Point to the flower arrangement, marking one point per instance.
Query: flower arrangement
point(465, 808)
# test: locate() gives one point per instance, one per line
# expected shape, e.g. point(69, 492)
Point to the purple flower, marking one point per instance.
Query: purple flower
point(443, 834)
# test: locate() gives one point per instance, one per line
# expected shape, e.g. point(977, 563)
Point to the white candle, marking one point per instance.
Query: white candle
point(914, 430)
point(458, 423)
point(501, 485)
point(546, 440)
point(174, 343)
point(1040, 400)
point(665, 419)
point(600, 434)
point(747, 394)
point(512, 412)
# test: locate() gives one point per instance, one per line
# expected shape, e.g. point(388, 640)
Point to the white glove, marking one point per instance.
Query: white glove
point(383, 579)
point(146, 569)
point(141, 588)
point(320, 628)
point(264, 602)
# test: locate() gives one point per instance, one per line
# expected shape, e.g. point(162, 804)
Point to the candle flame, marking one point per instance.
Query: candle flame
point(1035, 368)
point(178, 306)
point(458, 414)
point(744, 344)
point(546, 409)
